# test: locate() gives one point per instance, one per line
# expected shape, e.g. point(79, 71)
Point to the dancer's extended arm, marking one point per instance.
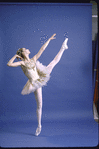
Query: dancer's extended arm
point(43, 47)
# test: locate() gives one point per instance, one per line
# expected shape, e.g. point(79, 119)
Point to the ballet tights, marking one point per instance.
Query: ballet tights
point(38, 97)
point(38, 92)
point(58, 56)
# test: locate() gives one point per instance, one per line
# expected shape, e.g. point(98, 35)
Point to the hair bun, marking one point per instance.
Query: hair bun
point(19, 52)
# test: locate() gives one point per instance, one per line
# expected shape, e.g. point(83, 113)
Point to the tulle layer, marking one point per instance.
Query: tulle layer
point(32, 85)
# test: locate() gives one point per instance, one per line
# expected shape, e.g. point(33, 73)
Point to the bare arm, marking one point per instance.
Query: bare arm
point(11, 62)
point(43, 47)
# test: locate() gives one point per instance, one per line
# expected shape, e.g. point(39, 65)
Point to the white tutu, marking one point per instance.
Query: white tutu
point(42, 77)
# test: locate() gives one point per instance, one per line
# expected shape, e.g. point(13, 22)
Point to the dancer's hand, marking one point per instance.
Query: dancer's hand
point(53, 37)
point(18, 57)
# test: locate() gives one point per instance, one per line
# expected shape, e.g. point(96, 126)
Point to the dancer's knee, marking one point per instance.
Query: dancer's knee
point(51, 66)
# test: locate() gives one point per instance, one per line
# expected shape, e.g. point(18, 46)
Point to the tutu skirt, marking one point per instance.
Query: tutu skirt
point(32, 85)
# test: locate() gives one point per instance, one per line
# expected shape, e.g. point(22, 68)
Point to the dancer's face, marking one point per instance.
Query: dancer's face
point(26, 51)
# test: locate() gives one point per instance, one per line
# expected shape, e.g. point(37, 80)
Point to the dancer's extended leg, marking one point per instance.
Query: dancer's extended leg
point(38, 96)
point(58, 56)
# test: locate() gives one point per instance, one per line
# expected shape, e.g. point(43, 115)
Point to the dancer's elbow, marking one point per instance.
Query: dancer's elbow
point(8, 65)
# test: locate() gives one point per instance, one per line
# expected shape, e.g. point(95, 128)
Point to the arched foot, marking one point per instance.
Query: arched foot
point(38, 131)
point(64, 45)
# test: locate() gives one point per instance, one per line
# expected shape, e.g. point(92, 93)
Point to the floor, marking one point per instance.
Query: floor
point(68, 133)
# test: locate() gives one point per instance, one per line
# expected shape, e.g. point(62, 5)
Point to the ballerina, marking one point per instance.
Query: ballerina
point(38, 75)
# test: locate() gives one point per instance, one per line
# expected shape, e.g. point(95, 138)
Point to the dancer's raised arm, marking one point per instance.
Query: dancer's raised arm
point(44, 47)
point(11, 62)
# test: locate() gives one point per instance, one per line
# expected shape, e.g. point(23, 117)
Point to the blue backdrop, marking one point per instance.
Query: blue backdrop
point(67, 118)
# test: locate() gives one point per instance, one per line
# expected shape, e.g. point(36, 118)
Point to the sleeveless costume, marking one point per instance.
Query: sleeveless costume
point(37, 74)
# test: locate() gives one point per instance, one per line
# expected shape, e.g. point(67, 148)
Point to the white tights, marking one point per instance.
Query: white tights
point(38, 92)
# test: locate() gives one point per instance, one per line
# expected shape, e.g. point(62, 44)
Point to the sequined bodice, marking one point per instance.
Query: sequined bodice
point(30, 70)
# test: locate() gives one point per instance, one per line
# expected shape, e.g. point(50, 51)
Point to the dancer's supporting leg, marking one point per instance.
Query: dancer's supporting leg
point(38, 96)
point(58, 56)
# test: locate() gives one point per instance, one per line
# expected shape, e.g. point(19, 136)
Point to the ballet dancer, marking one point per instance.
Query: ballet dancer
point(38, 75)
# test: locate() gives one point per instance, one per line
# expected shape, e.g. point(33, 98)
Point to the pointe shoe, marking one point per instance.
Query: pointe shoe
point(64, 45)
point(38, 131)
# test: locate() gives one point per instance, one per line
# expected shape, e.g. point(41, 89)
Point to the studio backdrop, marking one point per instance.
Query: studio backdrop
point(68, 95)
